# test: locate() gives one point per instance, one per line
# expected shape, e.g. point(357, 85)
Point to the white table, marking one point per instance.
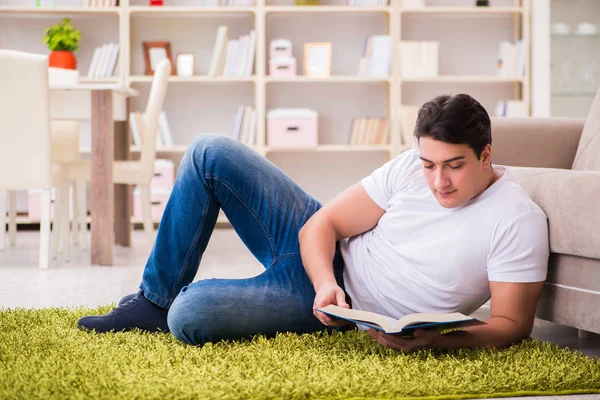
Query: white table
point(102, 156)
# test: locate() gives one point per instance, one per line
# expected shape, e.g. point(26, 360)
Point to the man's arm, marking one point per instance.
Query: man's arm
point(511, 319)
point(348, 214)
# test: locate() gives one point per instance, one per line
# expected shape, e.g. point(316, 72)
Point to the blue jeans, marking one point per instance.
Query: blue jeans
point(266, 209)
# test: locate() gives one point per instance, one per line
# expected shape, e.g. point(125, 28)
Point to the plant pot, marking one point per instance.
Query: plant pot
point(62, 59)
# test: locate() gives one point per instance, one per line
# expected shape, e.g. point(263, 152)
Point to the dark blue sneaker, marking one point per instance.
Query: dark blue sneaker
point(125, 299)
point(137, 312)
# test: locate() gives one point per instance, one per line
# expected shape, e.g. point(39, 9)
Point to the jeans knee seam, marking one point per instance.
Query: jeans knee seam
point(260, 224)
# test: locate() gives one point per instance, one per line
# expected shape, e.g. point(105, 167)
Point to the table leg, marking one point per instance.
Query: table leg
point(102, 188)
point(122, 192)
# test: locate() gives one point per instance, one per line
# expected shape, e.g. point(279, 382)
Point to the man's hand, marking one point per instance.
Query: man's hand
point(328, 294)
point(422, 339)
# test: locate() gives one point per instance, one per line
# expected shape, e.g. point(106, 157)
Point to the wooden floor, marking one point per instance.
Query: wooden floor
point(77, 283)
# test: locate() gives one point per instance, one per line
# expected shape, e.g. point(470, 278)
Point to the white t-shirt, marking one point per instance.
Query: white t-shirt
point(422, 257)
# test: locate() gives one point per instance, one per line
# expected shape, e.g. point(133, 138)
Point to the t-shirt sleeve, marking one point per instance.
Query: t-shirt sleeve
point(390, 177)
point(520, 250)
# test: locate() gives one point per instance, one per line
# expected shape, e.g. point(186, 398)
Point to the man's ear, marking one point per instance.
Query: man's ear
point(486, 156)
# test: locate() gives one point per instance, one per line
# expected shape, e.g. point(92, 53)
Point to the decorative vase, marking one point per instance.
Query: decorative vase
point(62, 59)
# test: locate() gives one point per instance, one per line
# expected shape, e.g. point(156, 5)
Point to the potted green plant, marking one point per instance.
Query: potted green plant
point(62, 40)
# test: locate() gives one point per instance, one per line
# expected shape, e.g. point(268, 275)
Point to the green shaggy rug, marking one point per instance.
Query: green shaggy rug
point(44, 355)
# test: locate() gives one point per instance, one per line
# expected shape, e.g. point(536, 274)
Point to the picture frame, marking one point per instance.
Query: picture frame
point(317, 59)
point(154, 52)
point(185, 64)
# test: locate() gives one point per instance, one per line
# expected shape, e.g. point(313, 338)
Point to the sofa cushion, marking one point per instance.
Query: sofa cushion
point(570, 200)
point(587, 157)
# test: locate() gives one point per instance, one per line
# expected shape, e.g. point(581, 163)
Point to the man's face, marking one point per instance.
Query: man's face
point(453, 172)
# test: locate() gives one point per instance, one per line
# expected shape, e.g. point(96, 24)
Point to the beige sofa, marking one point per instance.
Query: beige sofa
point(558, 163)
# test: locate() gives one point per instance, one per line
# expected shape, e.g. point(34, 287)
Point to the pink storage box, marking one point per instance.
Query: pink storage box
point(282, 66)
point(292, 128)
point(159, 200)
point(164, 175)
point(34, 204)
point(280, 48)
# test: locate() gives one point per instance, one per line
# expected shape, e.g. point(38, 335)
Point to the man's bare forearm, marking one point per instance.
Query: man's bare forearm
point(497, 332)
point(317, 248)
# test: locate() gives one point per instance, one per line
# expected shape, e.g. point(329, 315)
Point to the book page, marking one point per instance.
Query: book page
point(424, 318)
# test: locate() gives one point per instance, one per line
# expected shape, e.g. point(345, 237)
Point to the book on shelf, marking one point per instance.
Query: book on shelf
point(404, 326)
point(418, 59)
point(232, 57)
point(369, 131)
point(104, 60)
point(511, 59)
point(244, 125)
point(375, 60)
point(164, 135)
point(99, 3)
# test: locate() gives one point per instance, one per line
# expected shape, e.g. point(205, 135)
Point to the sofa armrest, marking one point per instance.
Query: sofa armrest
point(535, 142)
point(570, 200)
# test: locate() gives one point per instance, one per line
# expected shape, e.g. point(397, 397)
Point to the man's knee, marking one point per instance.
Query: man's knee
point(193, 319)
point(212, 142)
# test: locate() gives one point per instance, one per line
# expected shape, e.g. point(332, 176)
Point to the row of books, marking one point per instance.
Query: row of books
point(419, 59)
point(233, 57)
point(511, 58)
point(164, 137)
point(244, 125)
point(369, 130)
point(104, 61)
point(375, 60)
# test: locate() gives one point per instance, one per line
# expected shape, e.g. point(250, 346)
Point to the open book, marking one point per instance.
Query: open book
point(404, 326)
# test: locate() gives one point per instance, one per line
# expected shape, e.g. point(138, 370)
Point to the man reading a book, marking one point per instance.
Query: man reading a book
point(438, 229)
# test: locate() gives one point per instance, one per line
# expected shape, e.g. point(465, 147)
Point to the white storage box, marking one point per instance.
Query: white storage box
point(280, 48)
point(292, 128)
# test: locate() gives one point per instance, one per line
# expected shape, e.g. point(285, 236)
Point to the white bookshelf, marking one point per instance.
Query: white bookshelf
point(469, 38)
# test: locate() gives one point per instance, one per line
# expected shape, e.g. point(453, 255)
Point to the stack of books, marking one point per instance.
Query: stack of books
point(419, 59)
point(233, 57)
point(375, 60)
point(164, 137)
point(244, 125)
point(511, 59)
point(369, 130)
point(104, 61)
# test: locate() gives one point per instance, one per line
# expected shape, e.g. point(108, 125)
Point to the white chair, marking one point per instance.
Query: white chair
point(25, 149)
point(130, 172)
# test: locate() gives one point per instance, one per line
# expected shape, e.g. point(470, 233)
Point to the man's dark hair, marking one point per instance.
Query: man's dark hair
point(458, 119)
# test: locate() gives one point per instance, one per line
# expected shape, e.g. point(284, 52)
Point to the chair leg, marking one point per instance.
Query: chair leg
point(82, 215)
point(56, 223)
point(2, 218)
point(45, 230)
point(147, 212)
point(12, 217)
point(75, 223)
point(65, 236)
